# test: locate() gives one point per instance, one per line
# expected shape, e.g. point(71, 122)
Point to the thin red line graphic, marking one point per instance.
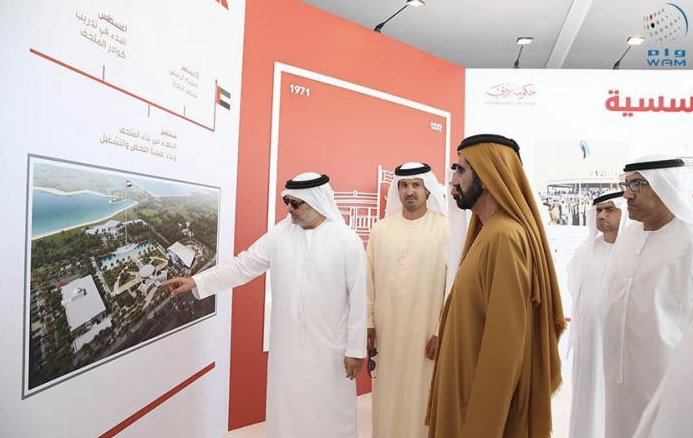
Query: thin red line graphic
point(115, 430)
point(117, 88)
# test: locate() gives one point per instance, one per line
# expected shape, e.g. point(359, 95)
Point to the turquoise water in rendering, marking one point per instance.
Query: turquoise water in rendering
point(113, 258)
point(51, 213)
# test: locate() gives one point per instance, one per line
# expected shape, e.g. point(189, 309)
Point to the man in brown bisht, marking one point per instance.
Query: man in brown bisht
point(497, 362)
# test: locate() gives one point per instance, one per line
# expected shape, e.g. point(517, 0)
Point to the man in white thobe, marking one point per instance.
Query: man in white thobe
point(650, 288)
point(669, 412)
point(586, 273)
point(319, 306)
point(406, 273)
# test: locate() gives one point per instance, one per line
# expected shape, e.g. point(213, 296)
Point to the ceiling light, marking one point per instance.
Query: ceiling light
point(522, 42)
point(415, 3)
point(631, 41)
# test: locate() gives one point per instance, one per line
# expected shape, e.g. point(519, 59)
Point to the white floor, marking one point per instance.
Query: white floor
point(561, 417)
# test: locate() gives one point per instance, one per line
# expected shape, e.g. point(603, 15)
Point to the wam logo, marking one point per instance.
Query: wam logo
point(670, 23)
point(665, 25)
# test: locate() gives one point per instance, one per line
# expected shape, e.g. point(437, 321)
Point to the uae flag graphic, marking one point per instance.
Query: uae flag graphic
point(223, 98)
point(585, 148)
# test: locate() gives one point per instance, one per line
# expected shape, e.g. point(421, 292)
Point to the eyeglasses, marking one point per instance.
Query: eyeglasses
point(634, 185)
point(456, 167)
point(295, 203)
point(370, 367)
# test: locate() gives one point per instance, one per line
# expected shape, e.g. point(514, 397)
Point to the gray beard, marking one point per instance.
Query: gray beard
point(306, 218)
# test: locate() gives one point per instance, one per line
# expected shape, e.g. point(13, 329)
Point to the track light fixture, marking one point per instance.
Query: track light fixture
point(415, 3)
point(521, 41)
point(631, 41)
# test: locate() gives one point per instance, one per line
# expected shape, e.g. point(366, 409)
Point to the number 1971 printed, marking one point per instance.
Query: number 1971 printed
point(299, 90)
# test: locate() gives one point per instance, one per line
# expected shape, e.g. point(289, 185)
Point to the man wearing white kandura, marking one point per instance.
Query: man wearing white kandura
point(319, 304)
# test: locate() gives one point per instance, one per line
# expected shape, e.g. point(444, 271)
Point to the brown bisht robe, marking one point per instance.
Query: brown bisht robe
point(497, 362)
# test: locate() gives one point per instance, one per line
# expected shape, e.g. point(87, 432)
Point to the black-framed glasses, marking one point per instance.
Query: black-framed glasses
point(295, 203)
point(634, 185)
point(370, 366)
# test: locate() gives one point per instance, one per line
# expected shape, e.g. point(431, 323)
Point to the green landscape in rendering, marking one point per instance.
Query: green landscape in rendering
point(100, 244)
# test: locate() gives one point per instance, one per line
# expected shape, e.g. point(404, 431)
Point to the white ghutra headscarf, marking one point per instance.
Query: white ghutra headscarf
point(314, 189)
point(436, 199)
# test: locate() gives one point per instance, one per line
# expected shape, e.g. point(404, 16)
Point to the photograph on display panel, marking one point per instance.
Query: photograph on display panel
point(568, 175)
point(99, 243)
point(571, 173)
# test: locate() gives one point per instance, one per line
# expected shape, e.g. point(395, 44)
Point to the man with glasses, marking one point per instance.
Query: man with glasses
point(650, 288)
point(586, 272)
point(319, 305)
point(406, 273)
point(497, 362)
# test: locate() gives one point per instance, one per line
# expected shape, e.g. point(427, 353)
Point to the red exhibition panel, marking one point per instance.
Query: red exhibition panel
point(335, 131)
point(347, 134)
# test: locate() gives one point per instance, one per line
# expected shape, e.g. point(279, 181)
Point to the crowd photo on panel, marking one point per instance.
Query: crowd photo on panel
point(453, 307)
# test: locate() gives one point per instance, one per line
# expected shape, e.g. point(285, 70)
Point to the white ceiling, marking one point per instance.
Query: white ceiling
point(567, 33)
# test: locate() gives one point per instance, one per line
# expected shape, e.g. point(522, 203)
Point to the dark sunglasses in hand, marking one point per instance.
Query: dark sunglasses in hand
point(370, 367)
point(295, 203)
